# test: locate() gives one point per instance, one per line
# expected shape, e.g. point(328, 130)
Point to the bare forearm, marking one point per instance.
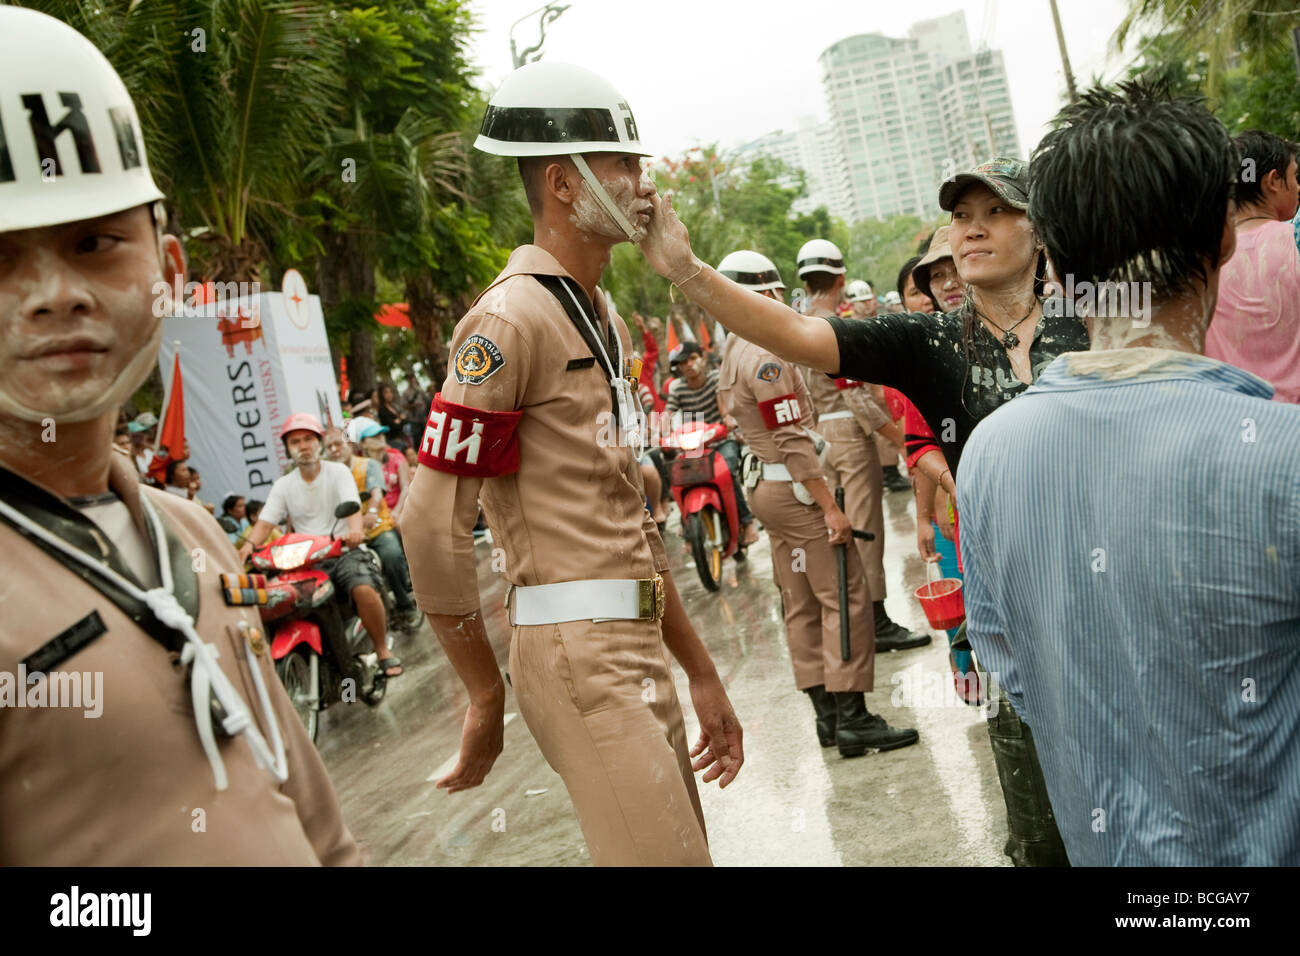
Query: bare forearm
point(464, 640)
point(892, 433)
point(934, 465)
point(258, 533)
point(680, 637)
point(923, 490)
point(763, 321)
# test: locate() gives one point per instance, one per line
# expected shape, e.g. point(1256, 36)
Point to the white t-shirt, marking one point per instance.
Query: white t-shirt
point(311, 504)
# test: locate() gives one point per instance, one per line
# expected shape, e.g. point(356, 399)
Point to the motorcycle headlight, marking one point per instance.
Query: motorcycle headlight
point(286, 557)
point(692, 440)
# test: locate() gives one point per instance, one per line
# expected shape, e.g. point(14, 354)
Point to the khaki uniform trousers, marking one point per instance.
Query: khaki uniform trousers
point(809, 583)
point(886, 451)
point(599, 700)
point(852, 463)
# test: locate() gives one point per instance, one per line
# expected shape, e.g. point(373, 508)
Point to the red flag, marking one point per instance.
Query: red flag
point(706, 342)
point(397, 316)
point(672, 336)
point(343, 378)
point(171, 432)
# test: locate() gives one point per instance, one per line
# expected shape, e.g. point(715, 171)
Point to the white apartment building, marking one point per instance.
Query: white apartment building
point(908, 112)
point(814, 148)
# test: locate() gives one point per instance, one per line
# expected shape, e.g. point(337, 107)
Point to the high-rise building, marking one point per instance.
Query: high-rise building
point(814, 148)
point(909, 112)
point(975, 109)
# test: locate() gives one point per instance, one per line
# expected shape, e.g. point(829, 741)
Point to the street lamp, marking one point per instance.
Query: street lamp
point(550, 13)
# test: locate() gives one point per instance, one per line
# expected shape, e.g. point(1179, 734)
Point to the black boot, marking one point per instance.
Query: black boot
point(894, 637)
point(857, 730)
point(894, 480)
point(824, 704)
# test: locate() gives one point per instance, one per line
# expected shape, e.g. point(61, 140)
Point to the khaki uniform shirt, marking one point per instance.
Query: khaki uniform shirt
point(770, 402)
point(125, 788)
point(828, 397)
point(575, 508)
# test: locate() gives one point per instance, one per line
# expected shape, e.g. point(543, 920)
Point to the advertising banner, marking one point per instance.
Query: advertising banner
point(248, 364)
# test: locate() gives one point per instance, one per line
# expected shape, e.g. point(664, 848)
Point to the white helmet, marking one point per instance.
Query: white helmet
point(558, 109)
point(859, 290)
point(820, 255)
point(74, 145)
point(751, 269)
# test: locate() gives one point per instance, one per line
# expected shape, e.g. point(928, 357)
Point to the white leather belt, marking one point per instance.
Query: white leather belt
point(834, 416)
point(612, 599)
point(776, 473)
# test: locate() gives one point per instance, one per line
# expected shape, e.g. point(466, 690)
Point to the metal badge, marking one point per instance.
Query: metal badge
point(256, 640)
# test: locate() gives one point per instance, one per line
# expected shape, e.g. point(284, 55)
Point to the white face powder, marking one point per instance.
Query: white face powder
point(589, 216)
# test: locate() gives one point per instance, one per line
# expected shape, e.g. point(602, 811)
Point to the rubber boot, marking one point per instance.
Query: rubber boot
point(857, 730)
point(1032, 835)
point(894, 637)
point(824, 704)
point(893, 479)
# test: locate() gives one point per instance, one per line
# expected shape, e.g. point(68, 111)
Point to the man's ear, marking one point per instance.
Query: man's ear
point(172, 256)
point(562, 179)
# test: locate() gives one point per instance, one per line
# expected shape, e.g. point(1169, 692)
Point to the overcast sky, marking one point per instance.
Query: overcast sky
point(698, 71)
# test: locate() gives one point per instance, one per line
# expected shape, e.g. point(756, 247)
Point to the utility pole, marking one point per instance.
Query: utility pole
point(1065, 56)
point(1295, 48)
point(550, 13)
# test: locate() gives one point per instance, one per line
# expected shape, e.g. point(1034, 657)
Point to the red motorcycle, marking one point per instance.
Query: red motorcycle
point(317, 652)
point(702, 487)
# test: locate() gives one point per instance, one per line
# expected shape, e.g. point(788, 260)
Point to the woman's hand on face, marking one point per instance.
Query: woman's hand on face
point(667, 244)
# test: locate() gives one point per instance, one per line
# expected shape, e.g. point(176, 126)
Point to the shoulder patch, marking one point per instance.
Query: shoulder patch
point(769, 371)
point(477, 360)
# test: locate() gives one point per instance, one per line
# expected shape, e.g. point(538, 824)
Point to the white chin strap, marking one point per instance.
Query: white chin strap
point(603, 198)
point(123, 387)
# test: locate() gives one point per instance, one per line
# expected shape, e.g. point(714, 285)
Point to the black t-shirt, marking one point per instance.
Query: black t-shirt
point(923, 357)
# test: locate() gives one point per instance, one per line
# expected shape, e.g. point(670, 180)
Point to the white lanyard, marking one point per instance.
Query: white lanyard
point(206, 676)
point(632, 422)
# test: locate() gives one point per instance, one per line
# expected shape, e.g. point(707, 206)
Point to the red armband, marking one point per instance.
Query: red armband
point(783, 410)
point(470, 441)
point(843, 383)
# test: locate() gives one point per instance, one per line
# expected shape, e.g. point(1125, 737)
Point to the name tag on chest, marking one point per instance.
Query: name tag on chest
point(66, 643)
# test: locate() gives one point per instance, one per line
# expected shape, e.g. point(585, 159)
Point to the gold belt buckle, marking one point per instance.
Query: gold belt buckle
point(651, 599)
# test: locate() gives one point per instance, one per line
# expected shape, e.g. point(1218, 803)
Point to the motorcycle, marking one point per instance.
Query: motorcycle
point(702, 487)
point(316, 649)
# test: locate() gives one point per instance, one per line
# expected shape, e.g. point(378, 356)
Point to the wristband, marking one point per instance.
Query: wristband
point(679, 280)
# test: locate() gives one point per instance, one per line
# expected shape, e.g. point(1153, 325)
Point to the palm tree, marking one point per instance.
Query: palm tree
point(232, 95)
point(1221, 29)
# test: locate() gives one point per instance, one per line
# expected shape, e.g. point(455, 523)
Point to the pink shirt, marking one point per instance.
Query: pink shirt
point(1256, 323)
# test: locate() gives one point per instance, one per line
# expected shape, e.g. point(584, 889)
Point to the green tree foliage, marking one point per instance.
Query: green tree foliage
point(1236, 52)
point(877, 250)
point(726, 206)
point(232, 96)
point(1259, 91)
point(1220, 29)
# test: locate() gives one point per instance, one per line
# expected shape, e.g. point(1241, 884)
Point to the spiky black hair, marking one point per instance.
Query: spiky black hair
point(1133, 185)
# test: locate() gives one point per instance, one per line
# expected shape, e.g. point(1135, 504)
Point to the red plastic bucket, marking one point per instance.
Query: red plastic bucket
point(942, 601)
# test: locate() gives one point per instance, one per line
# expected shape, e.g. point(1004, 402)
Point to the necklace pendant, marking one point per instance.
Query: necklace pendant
point(1010, 341)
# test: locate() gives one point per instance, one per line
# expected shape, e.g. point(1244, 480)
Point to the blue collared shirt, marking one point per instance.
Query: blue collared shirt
point(1131, 543)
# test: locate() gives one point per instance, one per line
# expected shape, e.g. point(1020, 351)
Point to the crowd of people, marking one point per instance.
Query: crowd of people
point(1099, 338)
point(1088, 590)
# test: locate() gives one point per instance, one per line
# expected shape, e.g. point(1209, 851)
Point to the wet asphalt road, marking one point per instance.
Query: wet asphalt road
point(934, 804)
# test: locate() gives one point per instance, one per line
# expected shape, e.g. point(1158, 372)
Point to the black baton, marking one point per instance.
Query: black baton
point(842, 564)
